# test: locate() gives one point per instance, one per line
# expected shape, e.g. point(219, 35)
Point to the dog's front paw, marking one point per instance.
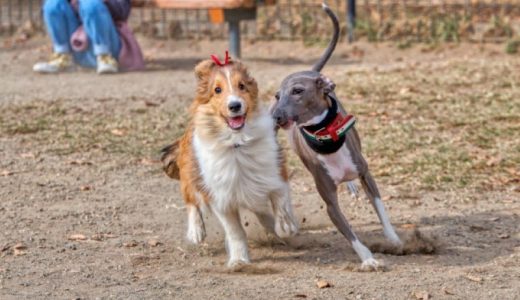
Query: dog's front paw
point(196, 233)
point(285, 225)
point(237, 264)
point(372, 265)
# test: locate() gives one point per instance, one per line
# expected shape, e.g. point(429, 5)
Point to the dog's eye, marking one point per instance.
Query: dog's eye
point(241, 86)
point(277, 96)
point(218, 90)
point(297, 91)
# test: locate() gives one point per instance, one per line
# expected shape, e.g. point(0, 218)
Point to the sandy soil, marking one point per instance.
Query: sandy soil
point(97, 219)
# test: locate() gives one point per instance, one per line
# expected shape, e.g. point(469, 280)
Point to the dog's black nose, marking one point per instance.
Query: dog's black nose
point(235, 106)
point(280, 117)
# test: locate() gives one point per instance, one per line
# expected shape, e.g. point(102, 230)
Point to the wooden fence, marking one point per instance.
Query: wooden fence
point(422, 20)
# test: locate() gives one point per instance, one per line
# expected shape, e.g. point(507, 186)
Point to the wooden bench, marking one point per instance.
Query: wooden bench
point(230, 11)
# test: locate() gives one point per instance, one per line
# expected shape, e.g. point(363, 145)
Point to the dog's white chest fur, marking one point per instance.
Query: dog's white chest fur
point(339, 165)
point(242, 176)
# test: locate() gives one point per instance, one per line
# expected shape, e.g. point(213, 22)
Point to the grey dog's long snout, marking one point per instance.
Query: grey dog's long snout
point(280, 116)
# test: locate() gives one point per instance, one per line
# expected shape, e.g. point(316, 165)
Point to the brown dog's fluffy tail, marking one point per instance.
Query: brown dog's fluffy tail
point(332, 45)
point(169, 159)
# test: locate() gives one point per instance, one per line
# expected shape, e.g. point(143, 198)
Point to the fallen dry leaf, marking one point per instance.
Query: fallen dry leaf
point(118, 132)
point(77, 237)
point(408, 226)
point(80, 162)
point(6, 173)
point(494, 161)
point(27, 155)
point(18, 252)
point(150, 103)
point(447, 292)
point(130, 244)
point(97, 237)
point(154, 243)
point(504, 236)
point(85, 188)
point(421, 295)
point(20, 246)
point(473, 278)
point(149, 161)
point(323, 284)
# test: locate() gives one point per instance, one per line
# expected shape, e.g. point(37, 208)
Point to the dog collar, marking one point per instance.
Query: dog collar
point(329, 135)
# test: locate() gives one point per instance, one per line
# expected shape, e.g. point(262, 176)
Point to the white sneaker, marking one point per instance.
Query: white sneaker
point(106, 64)
point(59, 62)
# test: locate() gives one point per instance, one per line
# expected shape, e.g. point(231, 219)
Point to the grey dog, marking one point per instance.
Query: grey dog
point(322, 134)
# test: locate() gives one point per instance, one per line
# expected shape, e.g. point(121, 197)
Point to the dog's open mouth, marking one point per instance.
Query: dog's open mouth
point(237, 122)
point(286, 125)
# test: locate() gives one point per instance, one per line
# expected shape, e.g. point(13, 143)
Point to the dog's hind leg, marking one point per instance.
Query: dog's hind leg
point(266, 219)
point(236, 240)
point(284, 221)
point(352, 187)
point(370, 187)
point(328, 191)
point(196, 229)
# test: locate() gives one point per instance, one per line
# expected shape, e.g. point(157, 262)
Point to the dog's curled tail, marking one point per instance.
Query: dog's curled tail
point(332, 45)
point(169, 159)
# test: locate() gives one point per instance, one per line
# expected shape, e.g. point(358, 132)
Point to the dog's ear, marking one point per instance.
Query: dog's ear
point(325, 84)
point(203, 73)
point(203, 69)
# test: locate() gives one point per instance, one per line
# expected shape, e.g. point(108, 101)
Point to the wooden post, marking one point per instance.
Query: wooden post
point(234, 38)
point(351, 19)
point(233, 18)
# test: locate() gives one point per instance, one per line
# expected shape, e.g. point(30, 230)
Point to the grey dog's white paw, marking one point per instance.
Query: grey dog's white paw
point(372, 265)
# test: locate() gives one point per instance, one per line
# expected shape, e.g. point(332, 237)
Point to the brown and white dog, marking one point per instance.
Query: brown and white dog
point(229, 158)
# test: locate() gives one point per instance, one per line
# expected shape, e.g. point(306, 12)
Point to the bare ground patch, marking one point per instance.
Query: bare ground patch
point(87, 212)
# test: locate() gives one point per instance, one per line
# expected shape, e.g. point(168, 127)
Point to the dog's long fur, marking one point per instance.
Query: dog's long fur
point(226, 169)
point(304, 99)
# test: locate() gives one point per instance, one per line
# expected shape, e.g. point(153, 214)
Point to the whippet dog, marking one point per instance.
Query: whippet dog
point(321, 132)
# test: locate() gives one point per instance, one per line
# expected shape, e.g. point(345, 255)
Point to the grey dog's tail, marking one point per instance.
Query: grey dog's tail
point(332, 45)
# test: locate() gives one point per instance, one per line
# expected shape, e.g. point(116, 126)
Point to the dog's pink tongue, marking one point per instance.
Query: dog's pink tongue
point(236, 122)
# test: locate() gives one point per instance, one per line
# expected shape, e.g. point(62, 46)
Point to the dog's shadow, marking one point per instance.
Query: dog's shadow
point(445, 241)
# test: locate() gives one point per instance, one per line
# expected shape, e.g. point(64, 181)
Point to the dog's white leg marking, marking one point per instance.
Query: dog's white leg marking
point(352, 186)
point(362, 251)
point(388, 229)
point(196, 230)
point(369, 263)
point(236, 240)
point(285, 222)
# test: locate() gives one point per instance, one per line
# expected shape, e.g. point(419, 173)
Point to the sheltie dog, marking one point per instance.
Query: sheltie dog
point(229, 159)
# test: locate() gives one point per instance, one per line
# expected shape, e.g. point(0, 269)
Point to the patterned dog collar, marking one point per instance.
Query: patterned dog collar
point(329, 135)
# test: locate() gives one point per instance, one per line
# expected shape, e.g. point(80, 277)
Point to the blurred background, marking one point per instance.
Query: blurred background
point(404, 21)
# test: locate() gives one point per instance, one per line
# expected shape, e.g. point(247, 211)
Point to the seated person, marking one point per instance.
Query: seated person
point(92, 34)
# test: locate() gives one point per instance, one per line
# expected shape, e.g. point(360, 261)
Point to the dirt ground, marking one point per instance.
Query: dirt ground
point(86, 212)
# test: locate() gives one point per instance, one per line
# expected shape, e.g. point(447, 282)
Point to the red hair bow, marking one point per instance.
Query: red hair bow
point(218, 62)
